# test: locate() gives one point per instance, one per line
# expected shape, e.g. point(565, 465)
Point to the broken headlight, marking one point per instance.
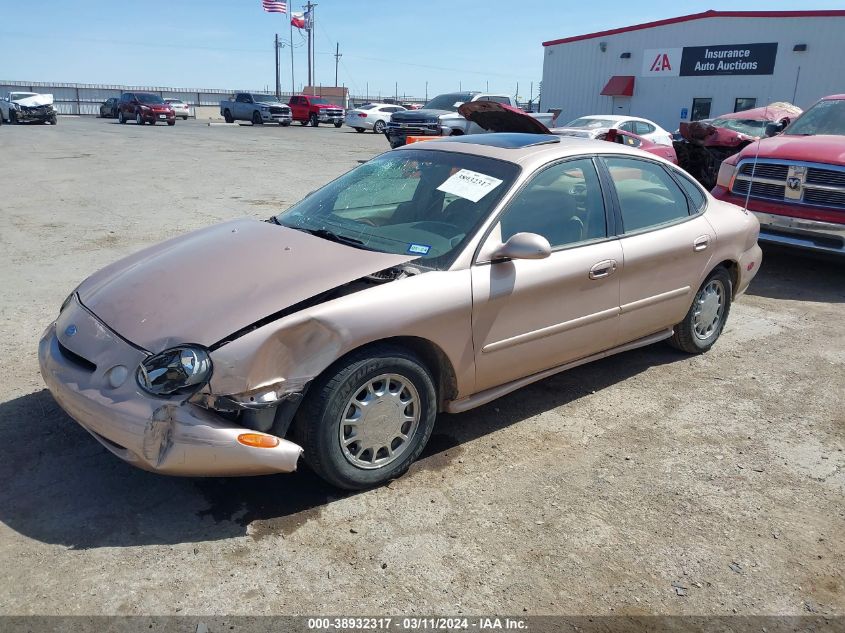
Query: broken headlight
point(173, 370)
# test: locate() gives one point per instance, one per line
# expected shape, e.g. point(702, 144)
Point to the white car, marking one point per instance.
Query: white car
point(593, 125)
point(180, 108)
point(372, 116)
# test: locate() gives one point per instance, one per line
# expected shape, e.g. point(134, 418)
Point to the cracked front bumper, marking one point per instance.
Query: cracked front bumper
point(168, 436)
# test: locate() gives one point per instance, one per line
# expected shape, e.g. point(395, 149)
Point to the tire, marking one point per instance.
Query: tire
point(184, 118)
point(120, 117)
point(338, 123)
point(256, 118)
point(227, 116)
point(313, 120)
point(172, 123)
point(304, 123)
point(285, 123)
point(378, 127)
point(359, 130)
point(54, 120)
point(13, 117)
point(138, 119)
point(319, 422)
point(707, 315)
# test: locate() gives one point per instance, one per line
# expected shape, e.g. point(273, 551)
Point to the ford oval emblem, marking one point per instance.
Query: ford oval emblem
point(70, 330)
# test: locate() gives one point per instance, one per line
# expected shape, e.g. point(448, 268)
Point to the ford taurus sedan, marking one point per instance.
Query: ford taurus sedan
point(432, 278)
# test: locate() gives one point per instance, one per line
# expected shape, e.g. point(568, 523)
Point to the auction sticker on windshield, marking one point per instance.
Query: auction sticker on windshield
point(469, 185)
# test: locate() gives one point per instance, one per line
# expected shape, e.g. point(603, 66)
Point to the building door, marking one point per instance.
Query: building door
point(701, 109)
point(622, 105)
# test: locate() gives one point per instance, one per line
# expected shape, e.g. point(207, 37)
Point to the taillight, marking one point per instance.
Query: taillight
point(363, 115)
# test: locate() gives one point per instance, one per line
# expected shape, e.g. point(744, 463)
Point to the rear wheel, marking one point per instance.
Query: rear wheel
point(707, 315)
point(256, 118)
point(185, 118)
point(138, 119)
point(227, 116)
point(314, 121)
point(378, 127)
point(368, 419)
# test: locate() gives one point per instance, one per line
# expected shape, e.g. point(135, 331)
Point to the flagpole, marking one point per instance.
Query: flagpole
point(292, 84)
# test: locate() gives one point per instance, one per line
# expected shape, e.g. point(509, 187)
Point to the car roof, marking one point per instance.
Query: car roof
point(530, 151)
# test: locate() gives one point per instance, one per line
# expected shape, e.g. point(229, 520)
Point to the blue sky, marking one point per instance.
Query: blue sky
point(216, 44)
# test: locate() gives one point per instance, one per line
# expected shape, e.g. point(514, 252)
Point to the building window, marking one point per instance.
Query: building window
point(701, 109)
point(744, 103)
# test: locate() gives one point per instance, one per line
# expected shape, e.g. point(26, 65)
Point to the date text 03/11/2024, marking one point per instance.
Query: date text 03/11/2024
point(416, 624)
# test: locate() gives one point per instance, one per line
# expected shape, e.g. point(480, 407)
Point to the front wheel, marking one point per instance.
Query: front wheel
point(13, 117)
point(120, 117)
point(378, 127)
point(54, 120)
point(707, 315)
point(138, 119)
point(367, 420)
point(314, 121)
point(285, 123)
point(338, 123)
point(256, 118)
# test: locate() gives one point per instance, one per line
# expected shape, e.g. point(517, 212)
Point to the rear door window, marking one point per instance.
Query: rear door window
point(648, 196)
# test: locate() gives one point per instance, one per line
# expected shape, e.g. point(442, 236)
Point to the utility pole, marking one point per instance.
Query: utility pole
point(278, 77)
point(487, 89)
point(426, 92)
point(309, 27)
point(292, 84)
point(337, 57)
point(396, 92)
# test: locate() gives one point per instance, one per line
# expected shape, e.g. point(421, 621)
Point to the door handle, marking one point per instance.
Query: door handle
point(603, 269)
point(701, 243)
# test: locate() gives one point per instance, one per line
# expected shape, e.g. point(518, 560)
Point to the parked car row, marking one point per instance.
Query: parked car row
point(132, 104)
point(262, 108)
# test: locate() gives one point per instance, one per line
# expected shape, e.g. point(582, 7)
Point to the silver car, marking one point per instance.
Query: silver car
point(180, 108)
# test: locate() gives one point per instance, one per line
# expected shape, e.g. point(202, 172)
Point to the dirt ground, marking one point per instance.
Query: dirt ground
point(648, 483)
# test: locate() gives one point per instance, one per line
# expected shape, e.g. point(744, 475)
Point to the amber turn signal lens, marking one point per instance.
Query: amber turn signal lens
point(258, 440)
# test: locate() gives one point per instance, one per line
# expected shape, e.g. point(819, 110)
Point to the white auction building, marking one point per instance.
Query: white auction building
point(696, 66)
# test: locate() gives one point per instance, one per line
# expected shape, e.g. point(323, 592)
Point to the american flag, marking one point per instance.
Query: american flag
point(274, 6)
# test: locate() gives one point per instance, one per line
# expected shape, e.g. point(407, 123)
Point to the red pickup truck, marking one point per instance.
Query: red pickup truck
point(315, 110)
point(795, 182)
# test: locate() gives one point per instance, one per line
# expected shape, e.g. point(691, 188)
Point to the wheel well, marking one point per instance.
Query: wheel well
point(457, 133)
point(733, 270)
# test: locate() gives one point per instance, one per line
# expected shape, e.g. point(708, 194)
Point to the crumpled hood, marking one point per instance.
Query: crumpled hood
point(498, 117)
point(203, 286)
point(35, 101)
point(823, 148)
point(419, 115)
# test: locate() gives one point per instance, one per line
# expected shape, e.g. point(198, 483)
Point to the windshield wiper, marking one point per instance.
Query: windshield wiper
point(334, 237)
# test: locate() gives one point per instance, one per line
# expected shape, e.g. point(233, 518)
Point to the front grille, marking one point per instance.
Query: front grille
point(824, 197)
point(279, 110)
point(333, 112)
point(822, 187)
point(759, 189)
point(827, 177)
point(76, 359)
point(765, 170)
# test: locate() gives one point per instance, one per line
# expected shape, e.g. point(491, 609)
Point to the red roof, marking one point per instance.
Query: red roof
point(619, 86)
point(829, 13)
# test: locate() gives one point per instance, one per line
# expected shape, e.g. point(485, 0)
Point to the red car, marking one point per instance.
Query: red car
point(795, 182)
point(144, 107)
point(308, 109)
point(635, 140)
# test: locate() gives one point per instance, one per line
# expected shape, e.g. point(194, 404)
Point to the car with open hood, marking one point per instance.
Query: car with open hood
point(28, 107)
point(703, 145)
point(436, 277)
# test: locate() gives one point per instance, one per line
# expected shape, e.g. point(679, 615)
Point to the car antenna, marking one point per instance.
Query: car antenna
point(756, 156)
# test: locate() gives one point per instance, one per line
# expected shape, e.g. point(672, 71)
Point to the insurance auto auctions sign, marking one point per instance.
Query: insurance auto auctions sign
point(729, 59)
point(724, 59)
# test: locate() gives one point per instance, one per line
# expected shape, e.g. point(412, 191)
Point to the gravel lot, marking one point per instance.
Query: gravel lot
point(648, 483)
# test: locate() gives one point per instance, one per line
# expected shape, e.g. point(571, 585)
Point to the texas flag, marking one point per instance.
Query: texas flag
point(297, 20)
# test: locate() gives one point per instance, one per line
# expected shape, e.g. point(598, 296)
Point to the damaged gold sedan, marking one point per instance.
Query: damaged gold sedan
point(435, 277)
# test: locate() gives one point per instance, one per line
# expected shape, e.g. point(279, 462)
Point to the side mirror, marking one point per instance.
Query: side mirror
point(523, 246)
point(773, 129)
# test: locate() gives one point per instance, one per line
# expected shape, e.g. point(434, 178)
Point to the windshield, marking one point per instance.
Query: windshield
point(750, 127)
point(367, 106)
point(826, 117)
point(319, 100)
point(415, 202)
point(265, 98)
point(175, 101)
point(591, 124)
point(146, 97)
point(449, 101)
